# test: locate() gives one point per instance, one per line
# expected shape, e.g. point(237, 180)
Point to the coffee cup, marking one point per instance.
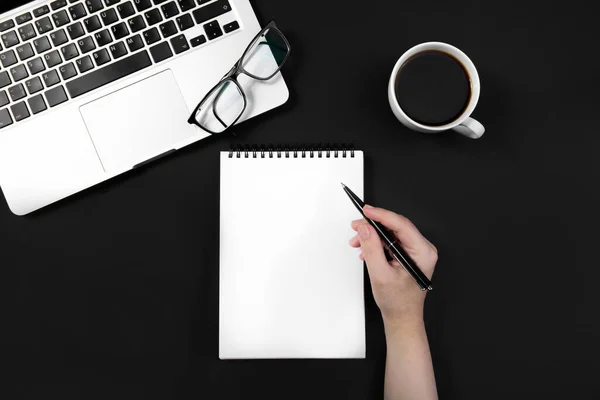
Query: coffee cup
point(434, 88)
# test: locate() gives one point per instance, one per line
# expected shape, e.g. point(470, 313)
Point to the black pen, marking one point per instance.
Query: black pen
point(392, 244)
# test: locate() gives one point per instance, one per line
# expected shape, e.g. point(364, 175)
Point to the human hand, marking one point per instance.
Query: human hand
point(399, 298)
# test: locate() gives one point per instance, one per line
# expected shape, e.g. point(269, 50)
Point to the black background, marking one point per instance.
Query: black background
point(113, 293)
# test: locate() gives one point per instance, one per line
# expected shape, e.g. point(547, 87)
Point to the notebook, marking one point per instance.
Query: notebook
point(290, 285)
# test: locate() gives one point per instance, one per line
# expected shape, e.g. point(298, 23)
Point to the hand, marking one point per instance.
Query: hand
point(397, 295)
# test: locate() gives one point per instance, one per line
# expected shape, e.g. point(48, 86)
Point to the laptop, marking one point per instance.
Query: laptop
point(90, 89)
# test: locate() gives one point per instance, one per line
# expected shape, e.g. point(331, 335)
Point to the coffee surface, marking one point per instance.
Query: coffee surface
point(433, 88)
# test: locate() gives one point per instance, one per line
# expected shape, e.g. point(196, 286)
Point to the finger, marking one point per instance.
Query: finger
point(372, 250)
point(355, 242)
point(402, 227)
point(361, 256)
point(356, 222)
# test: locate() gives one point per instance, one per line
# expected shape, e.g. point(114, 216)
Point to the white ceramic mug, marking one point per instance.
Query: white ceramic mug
point(464, 124)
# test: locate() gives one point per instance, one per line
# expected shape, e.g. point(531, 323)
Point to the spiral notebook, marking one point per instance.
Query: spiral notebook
point(290, 285)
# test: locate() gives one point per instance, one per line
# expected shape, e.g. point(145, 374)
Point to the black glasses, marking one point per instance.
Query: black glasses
point(223, 106)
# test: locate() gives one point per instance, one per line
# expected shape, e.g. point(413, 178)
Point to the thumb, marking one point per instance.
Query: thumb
point(372, 249)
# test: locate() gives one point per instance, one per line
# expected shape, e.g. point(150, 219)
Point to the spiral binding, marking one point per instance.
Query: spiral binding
point(291, 151)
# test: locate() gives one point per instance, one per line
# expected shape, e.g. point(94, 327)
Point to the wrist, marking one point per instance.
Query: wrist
point(404, 324)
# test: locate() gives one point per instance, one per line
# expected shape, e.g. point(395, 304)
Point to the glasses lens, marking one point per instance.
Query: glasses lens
point(222, 108)
point(266, 55)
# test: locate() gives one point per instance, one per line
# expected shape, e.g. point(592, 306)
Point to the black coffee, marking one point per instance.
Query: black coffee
point(433, 88)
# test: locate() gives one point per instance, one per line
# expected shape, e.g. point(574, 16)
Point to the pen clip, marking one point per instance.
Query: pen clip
point(423, 288)
point(412, 274)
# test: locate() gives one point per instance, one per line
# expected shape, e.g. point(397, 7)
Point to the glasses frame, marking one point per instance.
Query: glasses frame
point(232, 75)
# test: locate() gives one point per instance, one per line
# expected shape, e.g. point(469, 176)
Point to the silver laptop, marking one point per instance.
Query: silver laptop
point(90, 89)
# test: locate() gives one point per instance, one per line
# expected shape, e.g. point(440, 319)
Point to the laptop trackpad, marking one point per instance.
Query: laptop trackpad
point(138, 122)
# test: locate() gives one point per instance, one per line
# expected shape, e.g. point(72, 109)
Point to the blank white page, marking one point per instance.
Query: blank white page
point(290, 285)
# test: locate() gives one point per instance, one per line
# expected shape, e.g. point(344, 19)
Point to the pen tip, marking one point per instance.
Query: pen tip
point(343, 185)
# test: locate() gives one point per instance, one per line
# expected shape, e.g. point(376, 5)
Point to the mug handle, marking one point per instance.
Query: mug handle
point(470, 128)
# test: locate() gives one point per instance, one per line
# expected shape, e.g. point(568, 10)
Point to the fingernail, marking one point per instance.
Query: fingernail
point(364, 231)
point(368, 207)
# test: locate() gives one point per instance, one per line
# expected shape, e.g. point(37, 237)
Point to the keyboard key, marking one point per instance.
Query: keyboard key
point(5, 119)
point(36, 65)
point(168, 29)
point(230, 27)
point(44, 25)
point(7, 59)
point(16, 92)
point(60, 18)
point(59, 37)
point(180, 44)
point(27, 32)
point(197, 41)
point(52, 58)
point(184, 22)
point(101, 57)
point(84, 64)
point(161, 52)
point(6, 25)
point(86, 44)
point(21, 19)
point(151, 36)
point(67, 71)
point(142, 5)
point(51, 78)
point(109, 17)
point(157, 2)
point(10, 39)
point(170, 10)
point(69, 51)
point(55, 5)
point(186, 5)
point(103, 37)
point(20, 111)
point(94, 5)
point(118, 50)
point(120, 30)
point(211, 11)
point(37, 104)
point(153, 17)
point(77, 11)
point(92, 23)
point(75, 31)
point(34, 85)
point(213, 30)
point(125, 10)
point(41, 44)
point(25, 51)
point(43, 10)
point(200, 2)
point(136, 24)
point(19, 73)
point(4, 79)
point(111, 2)
point(135, 43)
point(117, 70)
point(4, 98)
point(56, 96)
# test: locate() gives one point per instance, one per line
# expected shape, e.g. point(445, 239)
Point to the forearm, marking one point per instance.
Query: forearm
point(409, 369)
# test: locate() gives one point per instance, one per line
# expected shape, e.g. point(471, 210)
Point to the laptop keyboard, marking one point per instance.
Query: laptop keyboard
point(67, 48)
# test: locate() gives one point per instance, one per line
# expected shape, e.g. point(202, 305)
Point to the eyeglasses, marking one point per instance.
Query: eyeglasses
point(223, 106)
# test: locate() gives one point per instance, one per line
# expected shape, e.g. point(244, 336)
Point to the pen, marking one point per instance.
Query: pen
point(392, 244)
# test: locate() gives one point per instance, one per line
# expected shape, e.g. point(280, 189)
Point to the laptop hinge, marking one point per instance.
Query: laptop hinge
point(148, 161)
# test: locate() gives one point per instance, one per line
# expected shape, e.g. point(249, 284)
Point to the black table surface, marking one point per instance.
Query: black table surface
point(113, 293)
